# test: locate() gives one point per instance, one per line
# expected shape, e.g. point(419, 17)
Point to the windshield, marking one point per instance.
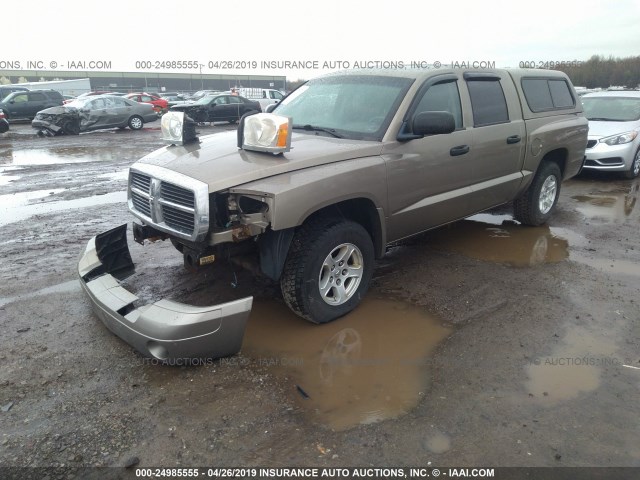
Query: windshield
point(352, 106)
point(613, 109)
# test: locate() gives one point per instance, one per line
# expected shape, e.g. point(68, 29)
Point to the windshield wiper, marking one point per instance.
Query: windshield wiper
point(312, 128)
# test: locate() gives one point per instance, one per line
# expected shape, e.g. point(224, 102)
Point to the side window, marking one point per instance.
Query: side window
point(119, 102)
point(20, 98)
point(234, 100)
point(145, 98)
point(37, 97)
point(442, 97)
point(276, 95)
point(487, 102)
point(560, 94)
point(544, 94)
point(220, 101)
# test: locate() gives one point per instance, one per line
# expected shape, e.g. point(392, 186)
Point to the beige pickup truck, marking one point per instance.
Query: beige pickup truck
point(317, 189)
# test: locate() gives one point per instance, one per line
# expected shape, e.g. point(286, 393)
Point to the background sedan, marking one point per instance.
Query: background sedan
point(218, 108)
point(94, 113)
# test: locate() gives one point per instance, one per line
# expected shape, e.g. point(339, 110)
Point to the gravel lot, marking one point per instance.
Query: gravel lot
point(483, 343)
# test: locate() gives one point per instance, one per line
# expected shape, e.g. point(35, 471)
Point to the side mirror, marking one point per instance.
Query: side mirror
point(433, 123)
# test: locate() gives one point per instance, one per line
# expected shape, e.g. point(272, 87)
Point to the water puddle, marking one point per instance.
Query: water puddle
point(58, 155)
point(497, 238)
point(609, 265)
point(573, 368)
point(22, 212)
point(366, 367)
point(609, 207)
point(23, 198)
point(66, 287)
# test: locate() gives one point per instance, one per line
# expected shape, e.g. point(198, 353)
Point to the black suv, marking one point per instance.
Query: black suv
point(25, 105)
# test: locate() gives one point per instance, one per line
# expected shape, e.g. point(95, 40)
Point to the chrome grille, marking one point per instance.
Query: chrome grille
point(177, 195)
point(141, 204)
point(138, 180)
point(169, 201)
point(177, 219)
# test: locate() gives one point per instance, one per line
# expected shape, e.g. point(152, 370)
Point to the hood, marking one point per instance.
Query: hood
point(606, 129)
point(57, 110)
point(217, 160)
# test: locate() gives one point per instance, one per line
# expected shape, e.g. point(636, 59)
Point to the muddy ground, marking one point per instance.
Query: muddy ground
point(484, 343)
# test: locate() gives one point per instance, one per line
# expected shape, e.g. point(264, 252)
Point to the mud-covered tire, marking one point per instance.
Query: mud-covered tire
point(537, 203)
point(305, 280)
point(71, 128)
point(136, 123)
point(635, 167)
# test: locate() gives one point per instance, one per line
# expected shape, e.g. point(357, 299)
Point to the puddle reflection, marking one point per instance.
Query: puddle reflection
point(369, 366)
point(609, 207)
point(496, 238)
point(57, 155)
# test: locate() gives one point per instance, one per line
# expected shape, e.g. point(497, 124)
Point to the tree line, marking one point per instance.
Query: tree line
point(601, 72)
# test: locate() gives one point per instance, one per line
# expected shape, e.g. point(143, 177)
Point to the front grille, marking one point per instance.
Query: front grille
point(168, 206)
point(178, 220)
point(141, 204)
point(138, 180)
point(591, 143)
point(178, 195)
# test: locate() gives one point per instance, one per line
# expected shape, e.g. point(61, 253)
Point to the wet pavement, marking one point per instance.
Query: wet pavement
point(481, 343)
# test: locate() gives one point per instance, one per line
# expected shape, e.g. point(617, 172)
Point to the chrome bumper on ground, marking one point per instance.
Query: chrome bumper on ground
point(164, 330)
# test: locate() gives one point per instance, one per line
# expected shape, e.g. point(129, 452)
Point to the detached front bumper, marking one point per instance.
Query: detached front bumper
point(164, 330)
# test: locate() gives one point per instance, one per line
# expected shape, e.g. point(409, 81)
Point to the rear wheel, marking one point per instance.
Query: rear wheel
point(136, 122)
point(536, 205)
point(634, 170)
point(328, 269)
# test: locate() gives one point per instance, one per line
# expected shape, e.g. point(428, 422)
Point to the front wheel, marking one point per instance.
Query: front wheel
point(536, 204)
point(328, 269)
point(635, 167)
point(135, 123)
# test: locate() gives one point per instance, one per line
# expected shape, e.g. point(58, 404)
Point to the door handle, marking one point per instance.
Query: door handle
point(459, 150)
point(513, 139)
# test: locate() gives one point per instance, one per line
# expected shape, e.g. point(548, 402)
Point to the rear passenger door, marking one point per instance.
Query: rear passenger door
point(37, 102)
point(499, 137)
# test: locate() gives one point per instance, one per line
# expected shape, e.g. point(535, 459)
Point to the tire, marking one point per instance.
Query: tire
point(314, 249)
point(136, 123)
point(635, 167)
point(71, 128)
point(537, 203)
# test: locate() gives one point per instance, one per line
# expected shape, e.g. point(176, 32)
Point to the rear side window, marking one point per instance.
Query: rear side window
point(487, 101)
point(37, 97)
point(545, 94)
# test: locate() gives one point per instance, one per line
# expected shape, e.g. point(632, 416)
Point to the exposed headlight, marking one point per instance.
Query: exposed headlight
point(177, 128)
point(265, 132)
point(620, 139)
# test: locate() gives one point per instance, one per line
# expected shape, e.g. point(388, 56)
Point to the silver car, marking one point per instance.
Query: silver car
point(614, 132)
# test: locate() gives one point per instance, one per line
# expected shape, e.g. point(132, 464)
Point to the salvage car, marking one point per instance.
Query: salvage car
point(614, 132)
point(218, 108)
point(93, 113)
point(25, 105)
point(316, 190)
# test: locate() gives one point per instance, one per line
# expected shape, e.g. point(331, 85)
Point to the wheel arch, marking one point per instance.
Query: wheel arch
point(274, 244)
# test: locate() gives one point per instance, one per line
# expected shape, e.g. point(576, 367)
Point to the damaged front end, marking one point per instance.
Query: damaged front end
point(164, 330)
point(57, 121)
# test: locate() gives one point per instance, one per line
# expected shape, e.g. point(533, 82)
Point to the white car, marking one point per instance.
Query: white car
point(614, 132)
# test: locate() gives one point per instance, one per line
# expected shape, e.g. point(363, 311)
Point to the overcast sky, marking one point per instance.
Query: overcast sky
point(504, 32)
